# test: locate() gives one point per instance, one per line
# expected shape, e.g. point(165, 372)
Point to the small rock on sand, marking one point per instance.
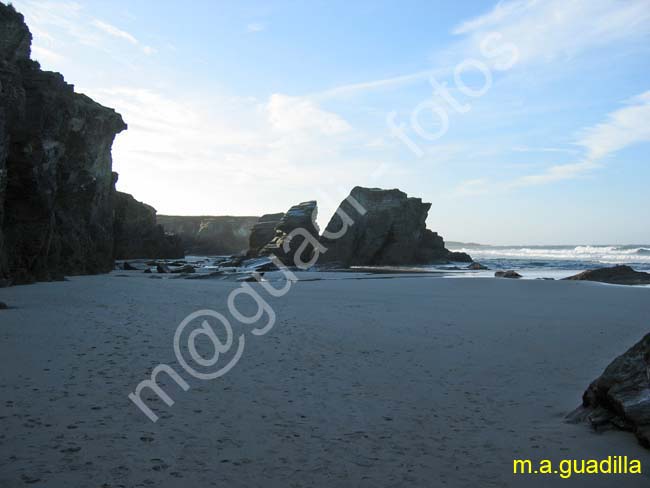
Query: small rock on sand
point(507, 274)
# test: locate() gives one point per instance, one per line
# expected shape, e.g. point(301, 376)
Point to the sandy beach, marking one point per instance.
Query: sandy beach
point(363, 381)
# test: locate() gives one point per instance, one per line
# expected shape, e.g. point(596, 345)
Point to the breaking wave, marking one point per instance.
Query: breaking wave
point(631, 254)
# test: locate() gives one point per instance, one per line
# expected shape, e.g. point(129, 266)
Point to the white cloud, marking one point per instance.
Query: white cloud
point(296, 114)
point(255, 27)
point(114, 31)
point(622, 128)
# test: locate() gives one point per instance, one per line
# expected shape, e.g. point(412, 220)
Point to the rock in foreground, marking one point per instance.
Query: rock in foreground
point(620, 397)
point(384, 228)
point(617, 275)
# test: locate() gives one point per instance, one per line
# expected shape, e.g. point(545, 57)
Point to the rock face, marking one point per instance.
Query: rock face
point(620, 397)
point(55, 168)
point(388, 229)
point(136, 233)
point(301, 216)
point(262, 233)
point(617, 275)
point(206, 235)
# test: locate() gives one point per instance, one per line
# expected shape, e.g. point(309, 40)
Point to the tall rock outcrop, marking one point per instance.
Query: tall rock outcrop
point(207, 235)
point(137, 235)
point(620, 397)
point(262, 233)
point(55, 168)
point(388, 229)
point(301, 216)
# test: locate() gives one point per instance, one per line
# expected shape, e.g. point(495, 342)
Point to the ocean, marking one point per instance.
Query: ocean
point(554, 261)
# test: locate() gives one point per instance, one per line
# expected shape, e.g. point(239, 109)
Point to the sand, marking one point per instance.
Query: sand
point(407, 381)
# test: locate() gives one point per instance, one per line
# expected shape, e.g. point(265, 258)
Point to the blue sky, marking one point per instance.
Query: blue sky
point(522, 121)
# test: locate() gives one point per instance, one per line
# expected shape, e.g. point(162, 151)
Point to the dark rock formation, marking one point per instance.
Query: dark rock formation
point(136, 233)
point(620, 397)
point(205, 235)
point(618, 275)
point(375, 227)
point(459, 257)
point(262, 233)
point(3, 306)
point(507, 274)
point(55, 168)
point(303, 217)
point(477, 267)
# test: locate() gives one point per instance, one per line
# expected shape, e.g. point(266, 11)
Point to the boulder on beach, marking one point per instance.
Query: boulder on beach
point(507, 274)
point(3, 306)
point(377, 227)
point(162, 268)
point(620, 397)
point(617, 275)
point(477, 267)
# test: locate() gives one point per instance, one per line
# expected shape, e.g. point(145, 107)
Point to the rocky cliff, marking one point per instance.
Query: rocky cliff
point(205, 235)
point(55, 168)
point(262, 233)
point(136, 233)
point(376, 227)
point(302, 216)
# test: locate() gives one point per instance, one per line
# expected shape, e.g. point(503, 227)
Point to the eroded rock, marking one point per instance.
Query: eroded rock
point(136, 233)
point(292, 235)
point(617, 275)
point(620, 397)
point(507, 274)
point(376, 227)
point(262, 233)
point(55, 168)
point(210, 235)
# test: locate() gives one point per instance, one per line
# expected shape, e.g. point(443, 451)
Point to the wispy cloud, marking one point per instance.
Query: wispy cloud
point(624, 127)
point(558, 29)
point(297, 114)
point(620, 129)
point(542, 31)
point(114, 31)
point(255, 27)
point(54, 23)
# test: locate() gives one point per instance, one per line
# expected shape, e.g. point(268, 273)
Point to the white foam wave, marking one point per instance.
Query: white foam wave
point(602, 254)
